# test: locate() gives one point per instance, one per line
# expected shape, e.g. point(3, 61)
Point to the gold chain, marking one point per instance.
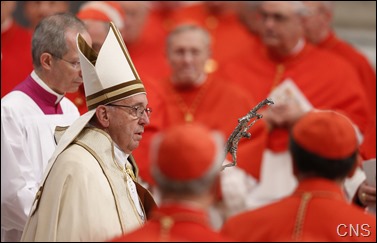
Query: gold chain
point(189, 111)
point(126, 171)
point(130, 172)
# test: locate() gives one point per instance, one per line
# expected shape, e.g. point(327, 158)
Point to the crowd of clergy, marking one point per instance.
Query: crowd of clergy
point(208, 63)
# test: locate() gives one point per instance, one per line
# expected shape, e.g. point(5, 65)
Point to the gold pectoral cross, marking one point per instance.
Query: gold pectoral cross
point(130, 172)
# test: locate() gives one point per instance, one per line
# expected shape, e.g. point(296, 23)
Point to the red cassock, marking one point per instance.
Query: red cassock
point(148, 51)
point(367, 76)
point(16, 59)
point(149, 59)
point(316, 211)
point(175, 222)
point(327, 81)
point(358, 61)
point(218, 105)
point(78, 98)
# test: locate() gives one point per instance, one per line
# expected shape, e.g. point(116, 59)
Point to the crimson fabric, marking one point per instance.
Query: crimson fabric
point(16, 59)
point(188, 224)
point(148, 51)
point(368, 147)
point(160, 22)
point(219, 110)
point(363, 67)
point(178, 144)
point(149, 58)
point(97, 14)
point(326, 217)
point(93, 14)
point(340, 142)
point(327, 81)
point(79, 99)
point(45, 100)
point(367, 76)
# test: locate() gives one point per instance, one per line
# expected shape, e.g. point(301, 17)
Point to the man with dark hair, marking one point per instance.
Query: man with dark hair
point(319, 31)
point(324, 149)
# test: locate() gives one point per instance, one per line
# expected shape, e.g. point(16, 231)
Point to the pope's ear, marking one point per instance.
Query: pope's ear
point(102, 114)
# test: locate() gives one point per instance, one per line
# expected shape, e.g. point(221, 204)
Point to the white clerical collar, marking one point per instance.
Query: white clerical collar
point(39, 81)
point(298, 47)
point(6, 25)
point(120, 156)
point(201, 79)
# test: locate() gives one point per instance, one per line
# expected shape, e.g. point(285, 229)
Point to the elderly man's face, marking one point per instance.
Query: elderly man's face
point(125, 128)
point(281, 25)
point(317, 22)
point(188, 53)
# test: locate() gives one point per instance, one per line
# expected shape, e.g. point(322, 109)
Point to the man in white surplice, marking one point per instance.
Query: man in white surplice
point(30, 113)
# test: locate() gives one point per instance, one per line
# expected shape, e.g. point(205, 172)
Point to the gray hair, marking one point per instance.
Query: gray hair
point(188, 27)
point(299, 7)
point(49, 35)
point(197, 186)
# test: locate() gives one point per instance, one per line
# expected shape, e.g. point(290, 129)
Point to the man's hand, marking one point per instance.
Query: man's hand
point(284, 114)
point(367, 194)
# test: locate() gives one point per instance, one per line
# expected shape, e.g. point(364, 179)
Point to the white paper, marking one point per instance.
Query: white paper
point(288, 90)
point(369, 167)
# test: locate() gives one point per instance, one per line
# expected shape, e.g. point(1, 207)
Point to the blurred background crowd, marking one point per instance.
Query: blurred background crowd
point(229, 56)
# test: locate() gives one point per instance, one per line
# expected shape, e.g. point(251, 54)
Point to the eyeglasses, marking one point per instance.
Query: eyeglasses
point(75, 65)
point(138, 110)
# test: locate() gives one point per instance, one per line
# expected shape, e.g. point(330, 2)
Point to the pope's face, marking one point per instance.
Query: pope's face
point(124, 127)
